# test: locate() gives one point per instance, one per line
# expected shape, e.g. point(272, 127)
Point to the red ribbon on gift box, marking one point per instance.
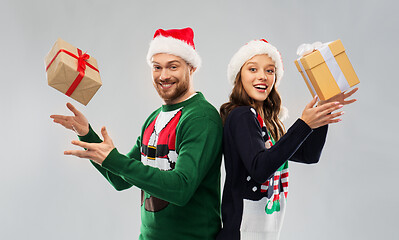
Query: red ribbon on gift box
point(82, 62)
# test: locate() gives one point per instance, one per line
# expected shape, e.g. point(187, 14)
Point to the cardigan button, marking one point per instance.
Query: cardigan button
point(254, 189)
point(248, 178)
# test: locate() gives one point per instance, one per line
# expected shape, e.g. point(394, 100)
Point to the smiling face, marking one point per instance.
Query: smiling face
point(258, 77)
point(172, 78)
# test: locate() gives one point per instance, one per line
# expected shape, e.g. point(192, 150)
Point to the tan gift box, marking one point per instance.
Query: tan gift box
point(328, 70)
point(72, 72)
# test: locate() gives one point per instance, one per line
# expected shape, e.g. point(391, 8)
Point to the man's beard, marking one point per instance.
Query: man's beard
point(181, 87)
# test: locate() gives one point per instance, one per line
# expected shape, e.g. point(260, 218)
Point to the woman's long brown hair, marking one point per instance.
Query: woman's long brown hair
point(271, 107)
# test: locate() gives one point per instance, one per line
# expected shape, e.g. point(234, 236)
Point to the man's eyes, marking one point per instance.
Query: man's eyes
point(170, 67)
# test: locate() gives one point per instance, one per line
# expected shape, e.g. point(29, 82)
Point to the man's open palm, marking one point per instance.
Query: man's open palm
point(77, 123)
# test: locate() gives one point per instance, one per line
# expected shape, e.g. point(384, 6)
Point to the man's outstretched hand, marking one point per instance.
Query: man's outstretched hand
point(77, 123)
point(94, 151)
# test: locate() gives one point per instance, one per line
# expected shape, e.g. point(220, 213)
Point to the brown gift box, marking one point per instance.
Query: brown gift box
point(64, 66)
point(321, 71)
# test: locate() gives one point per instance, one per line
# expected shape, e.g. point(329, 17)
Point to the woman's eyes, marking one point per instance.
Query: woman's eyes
point(267, 70)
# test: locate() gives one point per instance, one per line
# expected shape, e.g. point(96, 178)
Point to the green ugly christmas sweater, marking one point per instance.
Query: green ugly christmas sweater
point(176, 163)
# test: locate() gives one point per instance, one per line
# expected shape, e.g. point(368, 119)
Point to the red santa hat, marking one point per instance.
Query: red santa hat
point(178, 42)
point(249, 50)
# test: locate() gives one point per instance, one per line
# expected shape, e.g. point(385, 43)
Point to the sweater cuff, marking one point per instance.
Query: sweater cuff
point(302, 128)
point(113, 162)
point(90, 137)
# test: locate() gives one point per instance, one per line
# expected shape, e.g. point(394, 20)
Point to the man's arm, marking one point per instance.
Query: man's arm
point(80, 125)
point(116, 181)
point(199, 146)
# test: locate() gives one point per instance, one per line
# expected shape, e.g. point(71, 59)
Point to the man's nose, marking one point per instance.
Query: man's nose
point(164, 74)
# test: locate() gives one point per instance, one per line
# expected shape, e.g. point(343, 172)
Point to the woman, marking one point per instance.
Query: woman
point(256, 146)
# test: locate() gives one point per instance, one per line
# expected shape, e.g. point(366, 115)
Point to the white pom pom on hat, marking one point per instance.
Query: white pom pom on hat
point(251, 49)
point(178, 42)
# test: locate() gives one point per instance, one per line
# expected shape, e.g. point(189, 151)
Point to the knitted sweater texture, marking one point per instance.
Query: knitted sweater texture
point(176, 162)
point(256, 185)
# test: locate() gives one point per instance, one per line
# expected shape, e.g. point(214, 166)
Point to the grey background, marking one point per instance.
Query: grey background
point(350, 194)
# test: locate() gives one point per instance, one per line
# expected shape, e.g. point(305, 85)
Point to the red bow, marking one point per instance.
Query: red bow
point(82, 60)
point(81, 68)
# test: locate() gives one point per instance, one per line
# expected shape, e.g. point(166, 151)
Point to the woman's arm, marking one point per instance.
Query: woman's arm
point(260, 162)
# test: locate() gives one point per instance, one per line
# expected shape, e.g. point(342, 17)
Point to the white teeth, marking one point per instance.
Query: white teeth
point(260, 86)
point(166, 84)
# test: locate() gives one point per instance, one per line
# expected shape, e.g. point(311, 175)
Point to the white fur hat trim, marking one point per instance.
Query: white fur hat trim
point(175, 47)
point(249, 50)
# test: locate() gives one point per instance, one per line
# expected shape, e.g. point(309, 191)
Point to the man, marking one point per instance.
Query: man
point(176, 160)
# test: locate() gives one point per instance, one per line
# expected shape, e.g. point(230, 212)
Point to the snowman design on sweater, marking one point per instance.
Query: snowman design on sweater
point(266, 213)
point(278, 182)
point(159, 150)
